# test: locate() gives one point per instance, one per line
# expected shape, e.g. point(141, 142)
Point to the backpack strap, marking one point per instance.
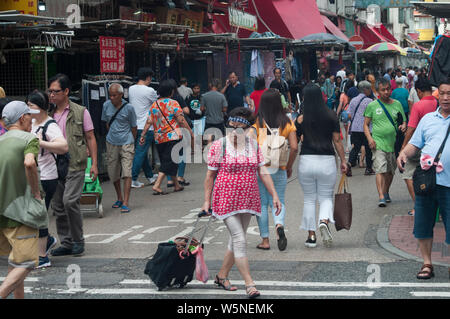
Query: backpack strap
point(44, 132)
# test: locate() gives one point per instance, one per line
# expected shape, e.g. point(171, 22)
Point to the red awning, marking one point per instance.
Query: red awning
point(333, 29)
point(292, 19)
point(376, 34)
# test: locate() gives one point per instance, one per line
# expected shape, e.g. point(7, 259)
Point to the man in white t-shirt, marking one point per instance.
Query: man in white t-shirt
point(342, 73)
point(142, 97)
point(399, 75)
point(184, 90)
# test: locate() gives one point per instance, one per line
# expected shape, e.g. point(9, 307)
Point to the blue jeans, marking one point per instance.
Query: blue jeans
point(141, 156)
point(425, 213)
point(280, 182)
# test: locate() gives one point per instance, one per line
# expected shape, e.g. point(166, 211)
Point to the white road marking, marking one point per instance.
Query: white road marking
point(143, 291)
point(308, 284)
point(112, 237)
point(28, 279)
point(430, 294)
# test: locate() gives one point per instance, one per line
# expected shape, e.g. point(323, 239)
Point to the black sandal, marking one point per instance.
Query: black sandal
point(428, 273)
point(221, 283)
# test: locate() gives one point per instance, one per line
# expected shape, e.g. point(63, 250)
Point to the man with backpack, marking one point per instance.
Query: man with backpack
point(76, 124)
point(121, 122)
point(383, 114)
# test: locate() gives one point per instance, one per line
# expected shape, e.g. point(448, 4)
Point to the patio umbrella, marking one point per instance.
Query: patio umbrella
point(384, 47)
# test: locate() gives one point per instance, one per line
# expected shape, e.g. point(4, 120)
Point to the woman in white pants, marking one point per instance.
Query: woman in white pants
point(318, 129)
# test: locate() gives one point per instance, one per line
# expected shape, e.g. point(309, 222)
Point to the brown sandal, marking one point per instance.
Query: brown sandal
point(428, 274)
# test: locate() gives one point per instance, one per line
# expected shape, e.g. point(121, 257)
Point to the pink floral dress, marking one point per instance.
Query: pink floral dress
point(236, 187)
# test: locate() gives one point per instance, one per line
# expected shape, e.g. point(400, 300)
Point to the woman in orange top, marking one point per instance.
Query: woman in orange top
point(271, 114)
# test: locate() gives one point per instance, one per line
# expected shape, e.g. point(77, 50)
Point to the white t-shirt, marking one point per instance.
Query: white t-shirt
point(404, 79)
point(184, 91)
point(46, 162)
point(142, 97)
point(413, 97)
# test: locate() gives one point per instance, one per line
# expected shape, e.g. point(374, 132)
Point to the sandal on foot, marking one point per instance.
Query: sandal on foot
point(179, 189)
point(184, 183)
point(159, 193)
point(427, 274)
point(221, 283)
point(252, 292)
point(282, 240)
point(117, 204)
point(125, 209)
point(260, 246)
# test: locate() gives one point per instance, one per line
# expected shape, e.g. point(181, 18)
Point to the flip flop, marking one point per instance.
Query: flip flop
point(184, 183)
point(159, 193)
point(117, 204)
point(125, 209)
point(262, 248)
point(179, 190)
point(410, 213)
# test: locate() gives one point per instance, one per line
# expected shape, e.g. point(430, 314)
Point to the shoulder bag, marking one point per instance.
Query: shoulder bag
point(175, 130)
point(424, 181)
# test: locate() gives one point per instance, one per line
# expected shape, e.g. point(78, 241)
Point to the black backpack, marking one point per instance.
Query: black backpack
point(62, 161)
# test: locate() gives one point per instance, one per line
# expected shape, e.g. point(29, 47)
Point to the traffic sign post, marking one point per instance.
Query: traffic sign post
point(358, 43)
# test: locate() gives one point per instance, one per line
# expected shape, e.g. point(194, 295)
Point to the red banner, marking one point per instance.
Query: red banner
point(112, 55)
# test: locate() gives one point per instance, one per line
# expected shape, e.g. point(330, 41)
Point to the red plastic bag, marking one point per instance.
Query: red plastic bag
point(201, 270)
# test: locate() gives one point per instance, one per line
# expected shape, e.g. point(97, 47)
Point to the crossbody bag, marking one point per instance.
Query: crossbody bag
point(424, 181)
point(388, 115)
point(115, 114)
point(174, 130)
point(354, 114)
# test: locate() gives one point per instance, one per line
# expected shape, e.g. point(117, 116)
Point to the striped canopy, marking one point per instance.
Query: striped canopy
point(385, 46)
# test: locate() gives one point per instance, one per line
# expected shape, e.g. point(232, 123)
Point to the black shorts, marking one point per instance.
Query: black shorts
point(168, 166)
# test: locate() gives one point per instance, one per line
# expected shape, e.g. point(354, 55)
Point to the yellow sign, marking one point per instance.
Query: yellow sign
point(426, 34)
point(23, 6)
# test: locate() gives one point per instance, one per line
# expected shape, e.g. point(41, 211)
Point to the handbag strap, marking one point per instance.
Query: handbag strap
point(388, 115)
point(157, 104)
point(115, 114)
point(354, 114)
point(343, 184)
point(438, 156)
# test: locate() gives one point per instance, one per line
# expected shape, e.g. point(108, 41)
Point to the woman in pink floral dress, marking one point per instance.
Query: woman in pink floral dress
point(234, 161)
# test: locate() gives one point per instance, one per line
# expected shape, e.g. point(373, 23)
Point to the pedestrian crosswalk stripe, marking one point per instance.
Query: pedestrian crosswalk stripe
point(433, 294)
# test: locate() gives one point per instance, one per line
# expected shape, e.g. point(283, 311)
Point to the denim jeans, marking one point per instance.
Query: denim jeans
point(280, 182)
point(425, 213)
point(141, 156)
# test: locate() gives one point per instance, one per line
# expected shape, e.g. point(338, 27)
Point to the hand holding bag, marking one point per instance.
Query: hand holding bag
point(343, 206)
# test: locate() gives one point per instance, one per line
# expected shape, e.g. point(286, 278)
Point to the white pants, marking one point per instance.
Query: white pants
point(317, 177)
point(237, 226)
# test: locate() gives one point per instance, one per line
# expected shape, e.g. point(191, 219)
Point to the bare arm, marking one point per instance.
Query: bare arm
point(408, 151)
point(293, 144)
point(340, 150)
point(58, 145)
point(208, 186)
point(409, 133)
point(370, 140)
point(145, 130)
point(32, 174)
point(92, 147)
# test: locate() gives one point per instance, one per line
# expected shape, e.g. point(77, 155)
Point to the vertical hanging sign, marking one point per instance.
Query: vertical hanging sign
point(112, 55)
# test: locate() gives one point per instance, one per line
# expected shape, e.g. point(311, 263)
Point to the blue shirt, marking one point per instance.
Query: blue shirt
point(235, 96)
point(120, 131)
point(428, 136)
point(401, 95)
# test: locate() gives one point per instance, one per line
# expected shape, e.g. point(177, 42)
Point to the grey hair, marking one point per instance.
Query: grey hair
point(364, 85)
point(399, 81)
point(118, 87)
point(383, 81)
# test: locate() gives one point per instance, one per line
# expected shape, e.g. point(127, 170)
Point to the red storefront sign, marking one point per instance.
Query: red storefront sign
point(112, 55)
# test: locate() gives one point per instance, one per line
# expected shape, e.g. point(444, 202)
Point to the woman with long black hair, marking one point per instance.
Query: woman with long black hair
point(271, 117)
point(318, 129)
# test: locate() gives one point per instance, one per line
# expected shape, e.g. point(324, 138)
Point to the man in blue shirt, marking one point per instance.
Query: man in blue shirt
point(120, 118)
point(401, 94)
point(428, 137)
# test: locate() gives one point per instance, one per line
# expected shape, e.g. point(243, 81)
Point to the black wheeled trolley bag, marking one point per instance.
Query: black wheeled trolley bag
point(174, 263)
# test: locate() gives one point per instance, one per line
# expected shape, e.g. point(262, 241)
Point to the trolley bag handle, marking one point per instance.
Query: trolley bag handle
point(185, 253)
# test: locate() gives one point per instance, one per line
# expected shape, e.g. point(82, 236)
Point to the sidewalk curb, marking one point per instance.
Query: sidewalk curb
point(384, 242)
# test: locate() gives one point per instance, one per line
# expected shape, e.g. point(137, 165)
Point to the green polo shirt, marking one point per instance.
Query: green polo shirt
point(383, 132)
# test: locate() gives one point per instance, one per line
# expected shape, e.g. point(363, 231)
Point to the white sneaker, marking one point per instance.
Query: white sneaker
point(326, 235)
point(153, 179)
point(137, 184)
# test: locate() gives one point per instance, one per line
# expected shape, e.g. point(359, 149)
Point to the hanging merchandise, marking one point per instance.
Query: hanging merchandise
point(167, 60)
point(340, 58)
point(254, 64)
point(288, 67)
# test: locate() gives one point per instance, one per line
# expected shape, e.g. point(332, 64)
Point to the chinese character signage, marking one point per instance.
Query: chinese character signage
point(112, 55)
point(363, 4)
point(242, 19)
point(192, 19)
point(23, 6)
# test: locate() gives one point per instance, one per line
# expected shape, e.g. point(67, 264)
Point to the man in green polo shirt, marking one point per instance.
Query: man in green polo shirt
point(382, 138)
point(22, 210)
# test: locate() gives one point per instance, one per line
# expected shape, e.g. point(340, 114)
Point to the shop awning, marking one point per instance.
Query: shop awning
point(436, 9)
point(332, 28)
point(292, 19)
point(376, 34)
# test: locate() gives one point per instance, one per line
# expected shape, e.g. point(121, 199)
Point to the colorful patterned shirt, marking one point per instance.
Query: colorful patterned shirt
point(166, 126)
